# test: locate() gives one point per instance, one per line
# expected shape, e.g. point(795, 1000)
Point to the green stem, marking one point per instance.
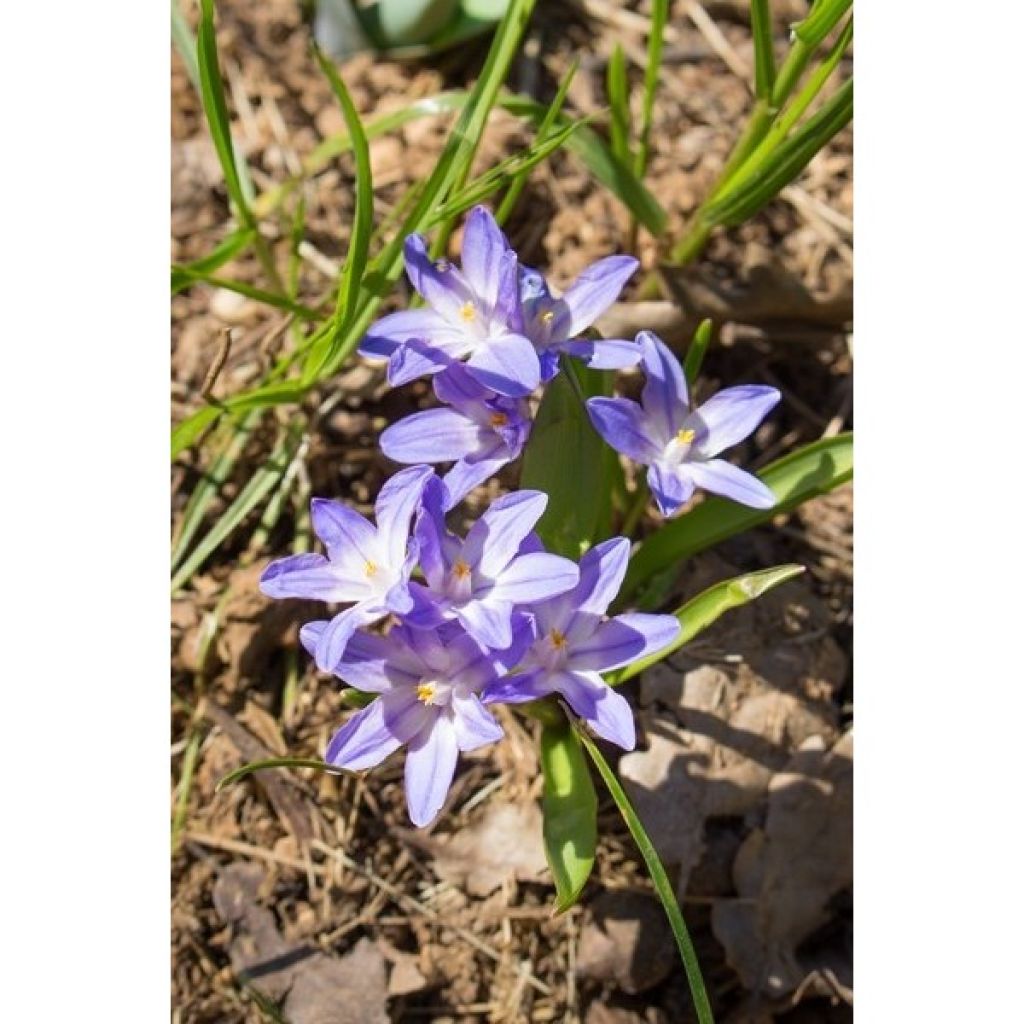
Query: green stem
point(658, 875)
point(636, 509)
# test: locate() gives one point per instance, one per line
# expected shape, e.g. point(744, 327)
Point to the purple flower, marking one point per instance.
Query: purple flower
point(364, 564)
point(428, 701)
point(552, 324)
point(474, 312)
point(483, 431)
point(678, 444)
point(575, 643)
point(479, 581)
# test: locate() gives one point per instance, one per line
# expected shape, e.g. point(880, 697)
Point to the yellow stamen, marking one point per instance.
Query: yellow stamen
point(547, 316)
point(425, 692)
point(686, 436)
point(371, 568)
point(468, 312)
point(460, 570)
point(557, 639)
point(499, 419)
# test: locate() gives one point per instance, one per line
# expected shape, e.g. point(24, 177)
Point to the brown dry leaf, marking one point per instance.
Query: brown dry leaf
point(787, 874)
point(626, 939)
point(505, 844)
point(312, 987)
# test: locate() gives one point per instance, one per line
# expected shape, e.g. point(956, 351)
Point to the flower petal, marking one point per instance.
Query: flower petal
point(437, 546)
point(350, 540)
point(311, 576)
point(624, 639)
point(721, 477)
point(436, 435)
point(475, 726)
point(665, 397)
point(471, 472)
point(728, 417)
point(397, 502)
point(625, 426)
point(336, 634)
point(606, 712)
point(595, 290)
point(429, 769)
point(602, 570)
point(393, 331)
point(483, 250)
point(420, 358)
point(376, 664)
point(518, 689)
point(672, 486)
point(489, 622)
point(440, 283)
point(532, 577)
point(494, 539)
point(380, 728)
point(613, 354)
point(507, 364)
point(457, 387)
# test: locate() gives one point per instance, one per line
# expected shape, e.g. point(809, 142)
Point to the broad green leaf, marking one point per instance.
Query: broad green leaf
point(567, 460)
point(697, 350)
point(276, 762)
point(701, 611)
point(185, 274)
point(804, 474)
point(617, 88)
point(662, 885)
point(764, 53)
point(570, 812)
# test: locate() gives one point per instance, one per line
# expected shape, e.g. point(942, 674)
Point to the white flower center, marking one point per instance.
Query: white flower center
point(678, 449)
point(434, 693)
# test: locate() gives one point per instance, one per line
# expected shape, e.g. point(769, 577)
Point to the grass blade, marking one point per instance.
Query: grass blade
point(655, 43)
point(764, 53)
point(243, 288)
point(662, 886)
point(697, 350)
point(184, 274)
point(185, 44)
point(697, 614)
point(618, 101)
point(806, 473)
point(570, 812)
point(824, 16)
point(276, 762)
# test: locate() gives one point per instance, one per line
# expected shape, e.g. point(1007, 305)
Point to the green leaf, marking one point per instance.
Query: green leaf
point(187, 432)
point(567, 460)
point(804, 474)
point(276, 762)
point(697, 350)
point(215, 107)
point(662, 885)
point(185, 44)
point(570, 812)
point(181, 272)
point(824, 17)
point(184, 274)
point(701, 611)
point(618, 101)
point(764, 53)
point(655, 43)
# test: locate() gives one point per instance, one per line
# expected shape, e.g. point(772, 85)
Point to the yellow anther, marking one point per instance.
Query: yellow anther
point(498, 419)
point(425, 692)
point(686, 435)
point(371, 568)
point(468, 312)
point(460, 570)
point(557, 639)
point(547, 316)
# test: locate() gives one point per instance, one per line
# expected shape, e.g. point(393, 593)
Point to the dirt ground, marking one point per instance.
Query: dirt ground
point(307, 898)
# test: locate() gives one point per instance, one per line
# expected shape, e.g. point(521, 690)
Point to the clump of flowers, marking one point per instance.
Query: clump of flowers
point(492, 617)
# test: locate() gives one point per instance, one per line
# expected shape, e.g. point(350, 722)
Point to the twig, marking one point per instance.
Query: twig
point(219, 359)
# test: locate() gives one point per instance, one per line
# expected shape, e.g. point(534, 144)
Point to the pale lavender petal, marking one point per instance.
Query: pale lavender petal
point(606, 712)
point(508, 308)
point(596, 289)
point(483, 251)
point(730, 416)
point(624, 425)
point(524, 632)
point(436, 435)
point(490, 622)
point(532, 578)
point(471, 472)
point(624, 639)
point(428, 611)
point(380, 728)
point(376, 664)
point(439, 283)
point(602, 570)
point(548, 365)
point(429, 769)
point(671, 486)
point(721, 477)
point(311, 576)
point(475, 726)
point(456, 387)
point(494, 539)
point(350, 540)
point(336, 634)
point(506, 364)
point(665, 397)
point(393, 331)
point(397, 502)
point(419, 358)
point(438, 548)
point(469, 662)
point(610, 354)
point(519, 689)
